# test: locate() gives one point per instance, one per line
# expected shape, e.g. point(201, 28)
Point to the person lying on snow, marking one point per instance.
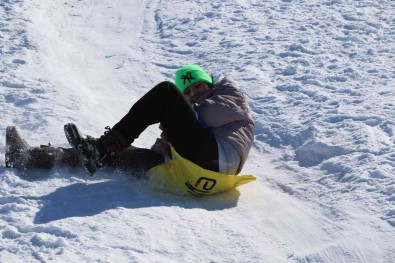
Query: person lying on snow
point(207, 121)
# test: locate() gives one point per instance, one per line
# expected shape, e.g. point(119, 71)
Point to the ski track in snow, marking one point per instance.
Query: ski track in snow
point(320, 76)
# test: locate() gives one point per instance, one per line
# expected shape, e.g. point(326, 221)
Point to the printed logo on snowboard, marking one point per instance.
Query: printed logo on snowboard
point(202, 186)
point(188, 77)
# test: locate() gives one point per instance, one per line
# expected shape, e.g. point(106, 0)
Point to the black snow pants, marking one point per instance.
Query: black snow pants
point(166, 105)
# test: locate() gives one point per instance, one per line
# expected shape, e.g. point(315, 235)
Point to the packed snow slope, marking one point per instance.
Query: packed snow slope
point(320, 77)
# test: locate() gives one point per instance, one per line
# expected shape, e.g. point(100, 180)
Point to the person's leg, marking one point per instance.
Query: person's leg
point(165, 104)
point(136, 161)
point(20, 155)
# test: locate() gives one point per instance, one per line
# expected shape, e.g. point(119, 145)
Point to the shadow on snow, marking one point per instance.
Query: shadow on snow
point(83, 200)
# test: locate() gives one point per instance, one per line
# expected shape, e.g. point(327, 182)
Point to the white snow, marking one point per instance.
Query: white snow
point(320, 76)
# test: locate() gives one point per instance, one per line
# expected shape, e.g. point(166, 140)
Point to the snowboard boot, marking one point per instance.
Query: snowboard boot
point(20, 155)
point(16, 149)
point(95, 152)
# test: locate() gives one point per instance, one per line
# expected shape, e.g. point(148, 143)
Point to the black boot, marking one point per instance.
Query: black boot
point(20, 155)
point(16, 149)
point(96, 152)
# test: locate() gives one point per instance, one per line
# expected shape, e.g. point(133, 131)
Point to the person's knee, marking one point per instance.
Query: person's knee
point(167, 87)
point(166, 83)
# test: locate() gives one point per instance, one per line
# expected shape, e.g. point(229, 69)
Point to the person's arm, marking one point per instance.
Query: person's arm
point(223, 107)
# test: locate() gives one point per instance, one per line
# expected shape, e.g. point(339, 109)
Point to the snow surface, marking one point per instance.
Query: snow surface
point(320, 76)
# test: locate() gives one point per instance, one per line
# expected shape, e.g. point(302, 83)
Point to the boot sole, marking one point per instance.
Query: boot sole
point(76, 140)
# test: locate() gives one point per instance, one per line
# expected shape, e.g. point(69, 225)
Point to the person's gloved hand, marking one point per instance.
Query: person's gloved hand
point(161, 144)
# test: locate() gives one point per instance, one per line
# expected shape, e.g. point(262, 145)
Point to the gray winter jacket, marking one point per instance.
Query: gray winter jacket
point(225, 110)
